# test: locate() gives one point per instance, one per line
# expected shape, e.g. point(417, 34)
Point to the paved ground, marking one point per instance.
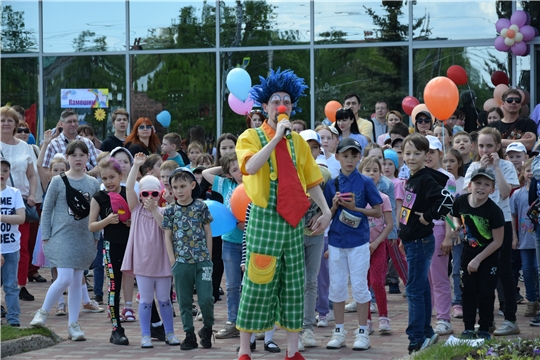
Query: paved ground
point(97, 328)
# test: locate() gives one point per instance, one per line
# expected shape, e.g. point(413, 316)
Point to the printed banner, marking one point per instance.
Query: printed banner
point(84, 98)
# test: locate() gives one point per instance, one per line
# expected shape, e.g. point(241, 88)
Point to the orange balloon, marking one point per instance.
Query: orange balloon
point(239, 203)
point(441, 96)
point(498, 92)
point(330, 110)
point(417, 109)
point(510, 33)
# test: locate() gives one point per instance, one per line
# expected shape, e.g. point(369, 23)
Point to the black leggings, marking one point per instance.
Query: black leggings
point(113, 255)
point(217, 272)
point(506, 276)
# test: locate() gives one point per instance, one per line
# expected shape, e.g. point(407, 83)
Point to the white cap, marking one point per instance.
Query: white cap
point(434, 143)
point(516, 146)
point(311, 135)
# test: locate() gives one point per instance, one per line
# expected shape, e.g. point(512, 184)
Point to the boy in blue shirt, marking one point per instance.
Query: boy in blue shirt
point(348, 241)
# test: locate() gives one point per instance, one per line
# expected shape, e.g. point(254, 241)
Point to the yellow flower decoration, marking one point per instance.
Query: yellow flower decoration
point(100, 114)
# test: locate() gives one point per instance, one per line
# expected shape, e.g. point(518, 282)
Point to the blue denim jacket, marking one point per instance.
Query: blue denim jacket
point(386, 186)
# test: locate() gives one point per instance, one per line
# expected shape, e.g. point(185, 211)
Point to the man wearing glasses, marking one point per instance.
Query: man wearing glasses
point(512, 127)
point(70, 122)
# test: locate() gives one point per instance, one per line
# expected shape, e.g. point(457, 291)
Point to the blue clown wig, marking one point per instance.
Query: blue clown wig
point(285, 81)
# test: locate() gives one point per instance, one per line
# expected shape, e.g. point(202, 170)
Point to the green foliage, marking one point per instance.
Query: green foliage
point(87, 41)
point(15, 37)
point(10, 333)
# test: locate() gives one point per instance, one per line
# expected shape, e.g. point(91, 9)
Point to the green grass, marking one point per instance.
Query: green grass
point(441, 352)
point(10, 333)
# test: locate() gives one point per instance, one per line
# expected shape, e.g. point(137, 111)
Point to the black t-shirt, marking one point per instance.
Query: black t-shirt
point(478, 222)
point(115, 233)
point(515, 130)
point(110, 143)
point(134, 149)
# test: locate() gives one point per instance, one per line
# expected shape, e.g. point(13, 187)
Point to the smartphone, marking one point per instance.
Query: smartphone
point(60, 129)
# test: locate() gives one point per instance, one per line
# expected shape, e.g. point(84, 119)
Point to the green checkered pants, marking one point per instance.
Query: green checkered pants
point(282, 300)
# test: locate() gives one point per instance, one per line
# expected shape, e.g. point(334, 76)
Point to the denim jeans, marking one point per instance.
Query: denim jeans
point(99, 275)
point(530, 273)
point(457, 250)
point(11, 290)
point(313, 249)
point(232, 257)
point(538, 253)
point(419, 253)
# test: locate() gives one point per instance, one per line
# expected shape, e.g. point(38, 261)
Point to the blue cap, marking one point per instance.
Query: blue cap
point(392, 155)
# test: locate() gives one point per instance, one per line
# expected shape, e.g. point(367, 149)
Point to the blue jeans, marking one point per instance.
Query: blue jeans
point(99, 275)
point(456, 266)
point(538, 253)
point(232, 257)
point(9, 282)
point(419, 253)
point(530, 273)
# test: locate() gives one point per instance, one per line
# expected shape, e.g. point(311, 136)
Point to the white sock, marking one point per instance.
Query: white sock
point(61, 300)
point(340, 327)
point(129, 304)
point(269, 335)
point(85, 296)
point(157, 324)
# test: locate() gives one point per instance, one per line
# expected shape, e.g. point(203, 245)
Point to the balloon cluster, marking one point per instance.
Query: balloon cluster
point(501, 81)
point(239, 83)
point(514, 33)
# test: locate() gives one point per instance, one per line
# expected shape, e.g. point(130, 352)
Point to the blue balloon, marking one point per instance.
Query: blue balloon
point(164, 118)
point(239, 83)
point(224, 220)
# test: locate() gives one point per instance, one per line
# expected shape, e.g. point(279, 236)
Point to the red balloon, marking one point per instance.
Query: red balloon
point(409, 103)
point(499, 77)
point(457, 74)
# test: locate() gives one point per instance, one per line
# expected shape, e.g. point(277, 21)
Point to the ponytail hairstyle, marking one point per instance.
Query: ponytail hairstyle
point(495, 135)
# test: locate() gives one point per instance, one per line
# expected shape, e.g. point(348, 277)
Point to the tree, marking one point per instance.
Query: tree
point(87, 41)
point(15, 37)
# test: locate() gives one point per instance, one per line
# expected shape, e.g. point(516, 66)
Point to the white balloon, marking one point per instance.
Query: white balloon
point(503, 32)
point(509, 42)
point(518, 37)
point(514, 27)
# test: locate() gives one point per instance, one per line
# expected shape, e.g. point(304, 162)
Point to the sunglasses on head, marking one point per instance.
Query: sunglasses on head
point(513, 99)
point(146, 194)
point(23, 130)
point(145, 127)
point(423, 120)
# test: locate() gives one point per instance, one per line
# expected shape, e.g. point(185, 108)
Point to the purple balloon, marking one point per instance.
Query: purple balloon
point(240, 107)
point(528, 32)
point(500, 45)
point(519, 18)
point(519, 48)
point(528, 22)
point(501, 24)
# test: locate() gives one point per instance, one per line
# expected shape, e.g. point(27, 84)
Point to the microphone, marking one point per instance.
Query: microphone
point(283, 116)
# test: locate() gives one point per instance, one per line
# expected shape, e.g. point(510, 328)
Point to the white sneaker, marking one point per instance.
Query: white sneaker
point(443, 327)
point(199, 316)
point(39, 318)
point(384, 324)
point(369, 325)
point(308, 339)
point(362, 340)
point(93, 307)
point(301, 347)
point(338, 339)
point(372, 307)
point(330, 316)
point(323, 322)
point(75, 333)
point(350, 307)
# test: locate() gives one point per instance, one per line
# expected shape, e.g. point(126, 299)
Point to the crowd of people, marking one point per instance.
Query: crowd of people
point(363, 203)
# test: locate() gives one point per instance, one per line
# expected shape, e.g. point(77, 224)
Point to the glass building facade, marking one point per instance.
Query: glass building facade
point(175, 55)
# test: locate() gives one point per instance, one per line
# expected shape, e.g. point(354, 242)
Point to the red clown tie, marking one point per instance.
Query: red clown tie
point(292, 202)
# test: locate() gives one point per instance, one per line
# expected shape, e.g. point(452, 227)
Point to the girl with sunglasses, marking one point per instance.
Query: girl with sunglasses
point(143, 138)
point(423, 123)
point(151, 268)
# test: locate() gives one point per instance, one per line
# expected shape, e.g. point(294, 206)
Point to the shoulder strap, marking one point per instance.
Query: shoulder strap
point(336, 183)
point(65, 179)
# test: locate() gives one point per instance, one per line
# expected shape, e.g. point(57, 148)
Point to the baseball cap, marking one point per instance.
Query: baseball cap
point(387, 139)
point(483, 172)
point(426, 113)
point(198, 169)
point(516, 146)
point(348, 143)
point(396, 140)
point(197, 189)
point(4, 160)
point(536, 150)
point(434, 143)
point(311, 135)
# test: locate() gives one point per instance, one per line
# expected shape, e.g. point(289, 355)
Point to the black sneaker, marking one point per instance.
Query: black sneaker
point(484, 335)
point(393, 289)
point(535, 321)
point(194, 310)
point(221, 291)
point(24, 295)
point(205, 334)
point(4, 312)
point(413, 347)
point(98, 299)
point(519, 298)
point(190, 342)
point(118, 337)
point(15, 325)
point(157, 332)
point(469, 335)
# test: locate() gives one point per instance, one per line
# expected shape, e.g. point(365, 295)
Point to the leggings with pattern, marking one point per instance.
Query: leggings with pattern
point(113, 255)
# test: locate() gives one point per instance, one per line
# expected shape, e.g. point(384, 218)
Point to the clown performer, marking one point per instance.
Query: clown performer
point(277, 171)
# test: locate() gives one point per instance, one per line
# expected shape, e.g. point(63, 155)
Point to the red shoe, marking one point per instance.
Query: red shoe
point(244, 357)
point(297, 356)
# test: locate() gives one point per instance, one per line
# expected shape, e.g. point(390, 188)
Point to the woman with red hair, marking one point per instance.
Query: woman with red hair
point(143, 138)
